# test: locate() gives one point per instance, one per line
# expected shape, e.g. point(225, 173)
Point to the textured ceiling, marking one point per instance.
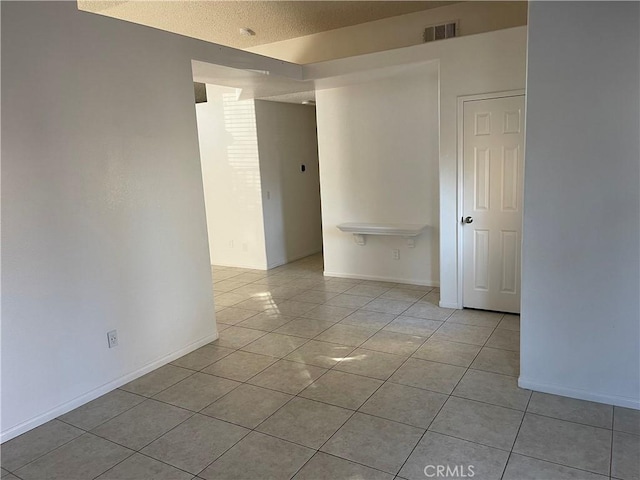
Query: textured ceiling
point(272, 20)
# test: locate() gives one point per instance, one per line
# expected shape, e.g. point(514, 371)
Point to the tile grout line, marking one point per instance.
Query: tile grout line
point(515, 439)
point(406, 358)
point(423, 435)
point(254, 429)
point(323, 444)
point(240, 383)
point(198, 412)
point(613, 413)
point(47, 453)
point(448, 396)
point(114, 466)
point(368, 398)
point(193, 413)
point(106, 421)
point(567, 421)
point(437, 413)
point(353, 412)
point(277, 358)
point(561, 464)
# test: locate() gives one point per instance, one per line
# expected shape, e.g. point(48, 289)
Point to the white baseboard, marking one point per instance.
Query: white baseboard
point(304, 255)
point(270, 265)
point(284, 261)
point(97, 392)
point(409, 281)
point(580, 394)
point(448, 305)
point(237, 265)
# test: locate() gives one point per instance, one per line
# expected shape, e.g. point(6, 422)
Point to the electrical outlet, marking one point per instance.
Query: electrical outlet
point(112, 338)
point(230, 243)
point(395, 254)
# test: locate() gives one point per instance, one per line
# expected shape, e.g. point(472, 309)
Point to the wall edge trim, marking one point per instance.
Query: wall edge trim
point(442, 304)
point(410, 281)
point(615, 400)
point(101, 390)
point(238, 265)
point(293, 258)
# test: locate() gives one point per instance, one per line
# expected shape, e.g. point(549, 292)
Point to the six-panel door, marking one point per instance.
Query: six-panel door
point(493, 146)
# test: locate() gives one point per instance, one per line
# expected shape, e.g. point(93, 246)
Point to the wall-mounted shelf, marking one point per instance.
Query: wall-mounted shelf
point(360, 230)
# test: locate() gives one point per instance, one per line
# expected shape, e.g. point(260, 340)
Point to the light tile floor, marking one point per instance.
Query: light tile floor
point(326, 378)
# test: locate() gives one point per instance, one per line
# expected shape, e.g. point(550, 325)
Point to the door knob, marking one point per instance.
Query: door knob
point(467, 220)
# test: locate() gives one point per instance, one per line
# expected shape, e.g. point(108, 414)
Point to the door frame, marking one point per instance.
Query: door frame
point(460, 175)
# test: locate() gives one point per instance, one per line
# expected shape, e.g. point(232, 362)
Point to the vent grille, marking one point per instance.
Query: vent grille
point(440, 32)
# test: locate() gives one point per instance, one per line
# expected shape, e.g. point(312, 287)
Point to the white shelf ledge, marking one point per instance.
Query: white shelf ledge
point(359, 230)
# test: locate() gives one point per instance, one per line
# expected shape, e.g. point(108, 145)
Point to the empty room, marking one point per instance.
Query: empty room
point(320, 240)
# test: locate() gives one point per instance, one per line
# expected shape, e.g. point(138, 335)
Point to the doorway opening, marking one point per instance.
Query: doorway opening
point(261, 184)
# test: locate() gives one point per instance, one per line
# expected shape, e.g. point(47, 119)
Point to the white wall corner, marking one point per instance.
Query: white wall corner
point(445, 304)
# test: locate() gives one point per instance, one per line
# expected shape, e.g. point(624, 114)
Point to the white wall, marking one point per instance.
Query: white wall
point(102, 205)
point(581, 251)
point(291, 198)
point(396, 32)
point(262, 211)
point(231, 175)
point(489, 62)
point(378, 144)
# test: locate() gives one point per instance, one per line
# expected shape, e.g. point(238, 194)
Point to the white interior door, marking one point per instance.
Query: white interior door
point(493, 147)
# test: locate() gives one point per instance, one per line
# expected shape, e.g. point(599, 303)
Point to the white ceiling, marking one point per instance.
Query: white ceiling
point(272, 20)
point(252, 84)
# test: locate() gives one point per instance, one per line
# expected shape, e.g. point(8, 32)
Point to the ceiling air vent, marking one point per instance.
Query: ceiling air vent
point(440, 32)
